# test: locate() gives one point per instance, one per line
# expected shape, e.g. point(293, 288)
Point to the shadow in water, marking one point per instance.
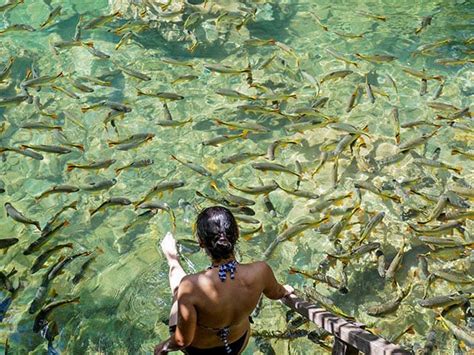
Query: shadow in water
point(221, 48)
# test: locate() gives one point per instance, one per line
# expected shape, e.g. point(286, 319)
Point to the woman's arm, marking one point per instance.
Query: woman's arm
point(272, 288)
point(187, 319)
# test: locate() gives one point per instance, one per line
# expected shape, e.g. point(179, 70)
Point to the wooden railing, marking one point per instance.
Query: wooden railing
point(349, 337)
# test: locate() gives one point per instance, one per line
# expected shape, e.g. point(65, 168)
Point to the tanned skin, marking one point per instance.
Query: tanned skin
point(203, 298)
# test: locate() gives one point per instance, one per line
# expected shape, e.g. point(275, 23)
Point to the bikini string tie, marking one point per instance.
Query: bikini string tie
point(228, 267)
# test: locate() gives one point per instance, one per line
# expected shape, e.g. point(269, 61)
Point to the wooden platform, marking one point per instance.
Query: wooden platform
point(350, 337)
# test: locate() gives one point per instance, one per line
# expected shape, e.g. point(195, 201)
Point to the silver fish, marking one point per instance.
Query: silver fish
point(13, 213)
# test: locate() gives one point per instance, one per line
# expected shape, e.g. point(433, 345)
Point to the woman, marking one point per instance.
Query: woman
point(213, 306)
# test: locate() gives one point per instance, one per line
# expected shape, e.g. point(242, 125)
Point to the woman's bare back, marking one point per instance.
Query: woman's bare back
point(229, 303)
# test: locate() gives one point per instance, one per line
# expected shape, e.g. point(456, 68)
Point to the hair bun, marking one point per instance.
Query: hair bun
point(218, 230)
point(222, 243)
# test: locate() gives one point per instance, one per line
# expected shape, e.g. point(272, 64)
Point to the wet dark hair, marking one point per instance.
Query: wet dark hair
point(218, 231)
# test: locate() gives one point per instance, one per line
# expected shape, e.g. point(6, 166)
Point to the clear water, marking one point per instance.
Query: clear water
point(124, 296)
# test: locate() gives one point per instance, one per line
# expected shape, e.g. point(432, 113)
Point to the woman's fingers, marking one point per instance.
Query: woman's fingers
point(289, 289)
point(159, 350)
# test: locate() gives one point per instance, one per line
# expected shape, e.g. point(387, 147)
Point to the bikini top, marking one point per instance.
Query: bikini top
point(224, 332)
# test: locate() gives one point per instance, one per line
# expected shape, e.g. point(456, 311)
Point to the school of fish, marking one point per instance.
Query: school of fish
point(360, 200)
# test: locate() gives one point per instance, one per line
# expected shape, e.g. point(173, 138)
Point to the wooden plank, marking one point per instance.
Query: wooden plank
point(341, 348)
point(349, 332)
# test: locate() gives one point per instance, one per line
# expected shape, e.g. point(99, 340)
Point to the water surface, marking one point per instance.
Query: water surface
point(124, 296)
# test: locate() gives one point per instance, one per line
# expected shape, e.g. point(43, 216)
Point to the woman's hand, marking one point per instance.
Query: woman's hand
point(289, 290)
point(161, 348)
point(168, 246)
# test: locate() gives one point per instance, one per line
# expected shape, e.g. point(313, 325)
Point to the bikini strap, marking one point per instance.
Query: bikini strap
point(228, 267)
point(223, 333)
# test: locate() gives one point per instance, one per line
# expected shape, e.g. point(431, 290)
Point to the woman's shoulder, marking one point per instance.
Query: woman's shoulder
point(258, 263)
point(193, 278)
point(256, 267)
point(260, 266)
